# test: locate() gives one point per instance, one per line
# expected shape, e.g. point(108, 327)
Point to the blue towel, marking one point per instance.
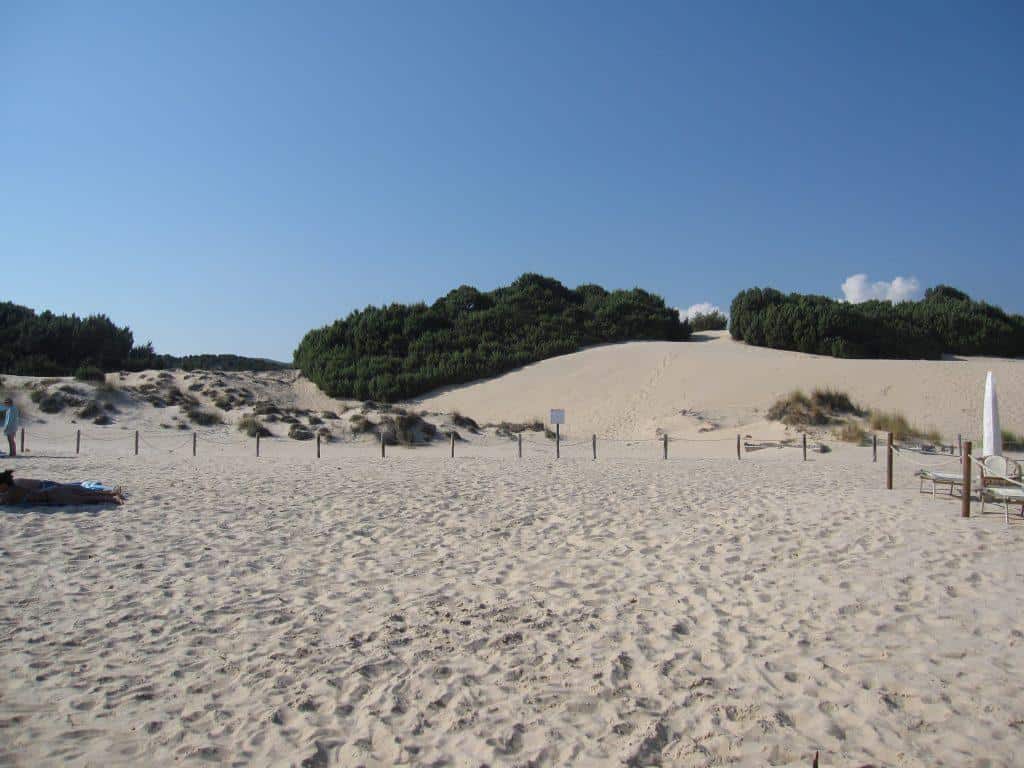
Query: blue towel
point(95, 485)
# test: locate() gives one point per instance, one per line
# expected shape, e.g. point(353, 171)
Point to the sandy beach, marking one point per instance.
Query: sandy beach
point(491, 610)
point(425, 611)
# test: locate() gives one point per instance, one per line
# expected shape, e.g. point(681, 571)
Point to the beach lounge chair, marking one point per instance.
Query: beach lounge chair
point(952, 479)
point(1001, 482)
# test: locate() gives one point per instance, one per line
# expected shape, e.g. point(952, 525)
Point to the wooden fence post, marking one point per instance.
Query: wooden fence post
point(805, 446)
point(382, 451)
point(664, 446)
point(520, 445)
point(453, 443)
point(874, 449)
point(257, 443)
point(22, 439)
point(593, 441)
point(558, 442)
point(960, 447)
point(965, 500)
point(738, 457)
point(195, 439)
point(136, 442)
point(78, 441)
point(318, 445)
point(888, 461)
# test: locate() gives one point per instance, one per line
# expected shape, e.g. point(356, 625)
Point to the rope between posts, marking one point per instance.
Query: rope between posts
point(900, 451)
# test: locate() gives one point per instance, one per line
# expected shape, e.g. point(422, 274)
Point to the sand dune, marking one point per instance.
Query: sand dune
point(630, 390)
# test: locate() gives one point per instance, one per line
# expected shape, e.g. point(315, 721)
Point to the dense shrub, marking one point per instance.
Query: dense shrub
point(202, 418)
point(945, 321)
point(299, 432)
point(400, 351)
point(46, 344)
point(710, 321)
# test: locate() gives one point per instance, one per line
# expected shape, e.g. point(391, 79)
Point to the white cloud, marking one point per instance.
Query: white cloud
point(856, 289)
point(704, 308)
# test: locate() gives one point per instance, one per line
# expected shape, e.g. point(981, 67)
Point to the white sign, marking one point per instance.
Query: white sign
point(557, 416)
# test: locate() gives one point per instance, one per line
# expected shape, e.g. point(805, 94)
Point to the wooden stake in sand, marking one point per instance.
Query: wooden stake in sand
point(965, 499)
point(520, 445)
point(453, 443)
point(874, 449)
point(136, 442)
point(558, 442)
point(805, 446)
point(22, 439)
point(78, 440)
point(888, 461)
point(738, 458)
point(318, 445)
point(382, 453)
point(194, 440)
point(593, 442)
point(664, 444)
point(257, 444)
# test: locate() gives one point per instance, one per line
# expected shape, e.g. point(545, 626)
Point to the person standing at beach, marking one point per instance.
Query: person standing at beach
point(11, 419)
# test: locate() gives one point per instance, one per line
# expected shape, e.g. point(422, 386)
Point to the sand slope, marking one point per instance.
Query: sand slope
point(630, 390)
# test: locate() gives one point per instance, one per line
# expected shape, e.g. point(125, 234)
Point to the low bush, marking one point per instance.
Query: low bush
point(824, 406)
point(51, 402)
point(465, 422)
point(852, 433)
point(89, 373)
point(1012, 438)
point(102, 420)
point(359, 424)
point(835, 402)
point(252, 427)
point(202, 418)
point(314, 420)
point(329, 415)
point(91, 410)
point(299, 432)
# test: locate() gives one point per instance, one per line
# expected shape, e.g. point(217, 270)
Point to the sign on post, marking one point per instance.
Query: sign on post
point(558, 416)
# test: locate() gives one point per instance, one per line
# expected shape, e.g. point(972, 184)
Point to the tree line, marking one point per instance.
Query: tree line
point(46, 344)
point(404, 350)
point(945, 321)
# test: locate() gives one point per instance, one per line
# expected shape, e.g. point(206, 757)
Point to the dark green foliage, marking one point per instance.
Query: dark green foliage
point(46, 344)
point(299, 432)
point(359, 424)
point(399, 351)
point(712, 321)
point(91, 410)
point(945, 321)
point(89, 373)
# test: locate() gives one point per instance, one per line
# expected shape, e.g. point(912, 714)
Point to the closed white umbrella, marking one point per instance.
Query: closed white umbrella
point(991, 436)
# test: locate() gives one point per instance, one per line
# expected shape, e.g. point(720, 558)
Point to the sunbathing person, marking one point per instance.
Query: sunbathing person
point(56, 494)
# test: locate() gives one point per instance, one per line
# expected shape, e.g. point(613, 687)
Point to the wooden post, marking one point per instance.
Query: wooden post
point(195, 439)
point(874, 449)
point(558, 442)
point(738, 457)
point(318, 445)
point(664, 446)
point(593, 441)
point(965, 499)
point(960, 447)
point(888, 461)
point(453, 443)
point(805, 446)
point(382, 453)
point(22, 439)
point(136, 442)
point(257, 443)
point(520, 445)
point(78, 441)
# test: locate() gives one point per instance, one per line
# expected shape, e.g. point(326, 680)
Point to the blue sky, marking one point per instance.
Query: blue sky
point(222, 177)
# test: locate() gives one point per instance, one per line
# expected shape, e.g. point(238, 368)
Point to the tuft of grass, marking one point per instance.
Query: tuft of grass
point(901, 428)
point(465, 422)
point(852, 433)
point(329, 415)
point(202, 418)
point(51, 402)
point(834, 402)
point(252, 427)
point(798, 410)
point(91, 410)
